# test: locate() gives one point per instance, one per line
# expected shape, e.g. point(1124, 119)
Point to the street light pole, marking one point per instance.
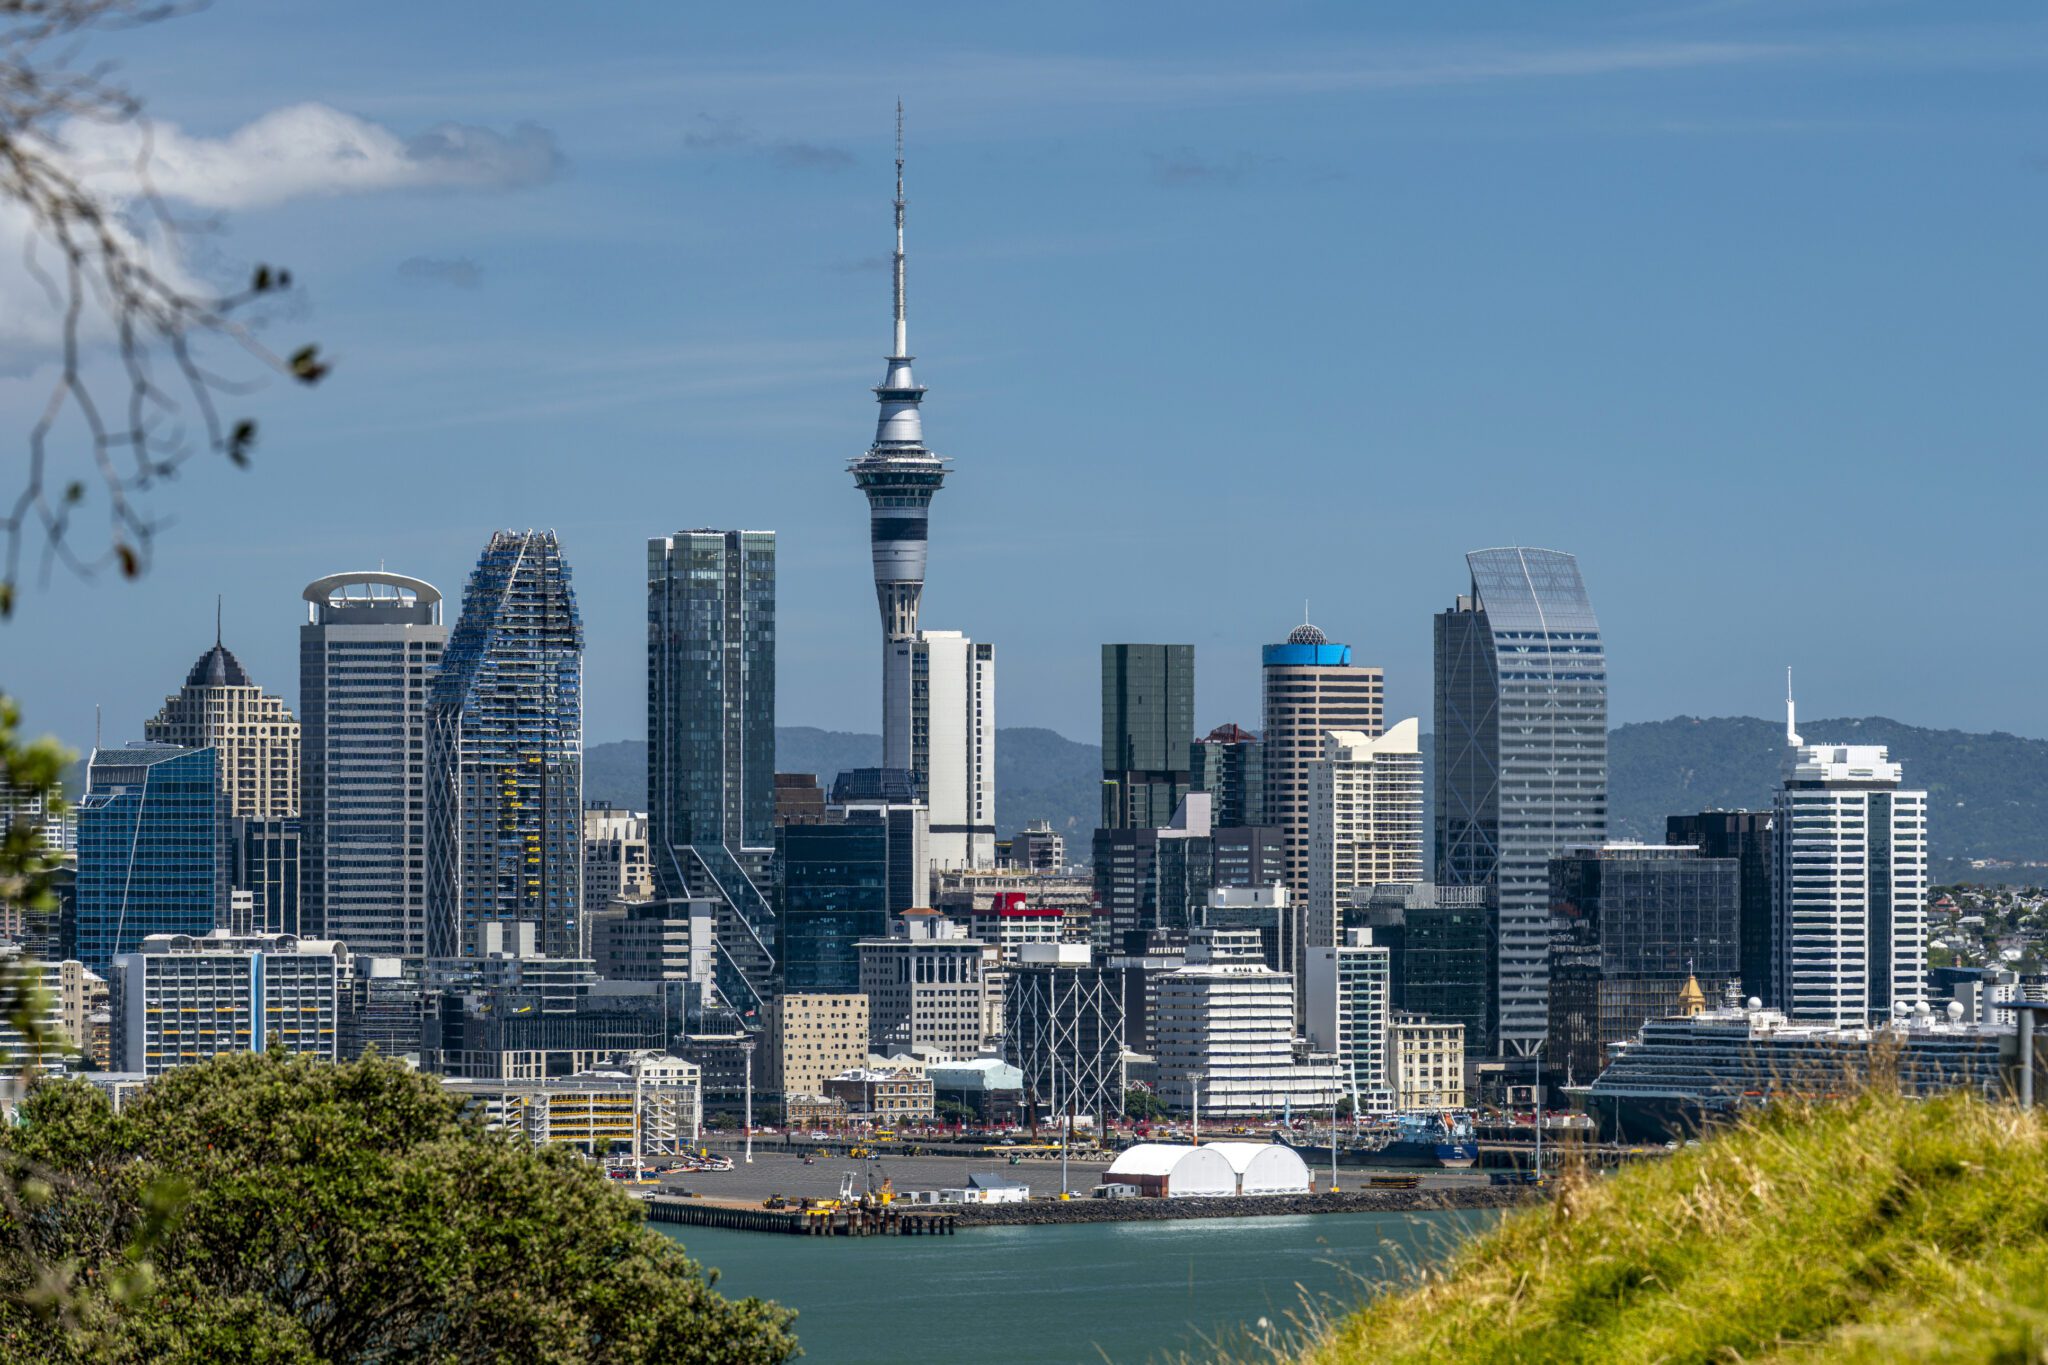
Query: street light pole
point(747, 1051)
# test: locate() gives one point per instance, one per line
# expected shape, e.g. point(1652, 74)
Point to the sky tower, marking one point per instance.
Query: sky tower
point(899, 477)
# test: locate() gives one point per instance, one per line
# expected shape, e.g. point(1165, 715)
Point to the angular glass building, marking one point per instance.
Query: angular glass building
point(711, 740)
point(505, 755)
point(1148, 727)
point(152, 849)
point(1521, 757)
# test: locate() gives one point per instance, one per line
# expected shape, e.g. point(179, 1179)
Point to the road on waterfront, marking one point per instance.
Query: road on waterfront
point(784, 1173)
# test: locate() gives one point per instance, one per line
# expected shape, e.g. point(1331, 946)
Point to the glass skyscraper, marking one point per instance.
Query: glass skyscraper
point(152, 849)
point(1148, 725)
point(1521, 757)
point(841, 880)
point(711, 739)
point(505, 755)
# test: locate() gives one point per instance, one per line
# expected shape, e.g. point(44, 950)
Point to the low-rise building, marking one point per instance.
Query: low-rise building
point(598, 1112)
point(897, 1095)
point(987, 1089)
point(1426, 1063)
point(810, 1039)
point(927, 987)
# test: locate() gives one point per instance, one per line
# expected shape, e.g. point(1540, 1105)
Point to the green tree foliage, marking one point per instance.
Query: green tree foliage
point(278, 1208)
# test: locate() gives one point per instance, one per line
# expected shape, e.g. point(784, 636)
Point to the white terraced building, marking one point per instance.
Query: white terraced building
point(1849, 887)
point(1223, 1034)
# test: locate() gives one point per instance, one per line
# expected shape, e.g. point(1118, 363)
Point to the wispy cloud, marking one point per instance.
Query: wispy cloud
point(709, 134)
point(309, 151)
point(458, 271)
point(1185, 166)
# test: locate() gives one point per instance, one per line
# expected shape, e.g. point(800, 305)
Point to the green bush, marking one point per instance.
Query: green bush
point(276, 1208)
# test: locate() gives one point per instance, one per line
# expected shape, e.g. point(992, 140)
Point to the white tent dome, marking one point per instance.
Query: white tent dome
point(1264, 1167)
point(1174, 1171)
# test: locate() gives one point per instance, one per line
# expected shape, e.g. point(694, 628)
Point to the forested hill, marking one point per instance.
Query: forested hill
point(1987, 794)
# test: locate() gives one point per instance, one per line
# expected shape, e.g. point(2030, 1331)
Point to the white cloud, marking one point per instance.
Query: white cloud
point(305, 151)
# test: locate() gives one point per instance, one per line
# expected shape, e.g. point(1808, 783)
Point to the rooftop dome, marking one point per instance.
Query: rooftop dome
point(217, 668)
point(1306, 634)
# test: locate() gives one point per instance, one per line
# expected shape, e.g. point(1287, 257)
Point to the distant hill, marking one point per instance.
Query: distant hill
point(1988, 794)
point(1040, 775)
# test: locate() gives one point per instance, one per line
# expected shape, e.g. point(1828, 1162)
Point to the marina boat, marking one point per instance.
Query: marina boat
point(1427, 1140)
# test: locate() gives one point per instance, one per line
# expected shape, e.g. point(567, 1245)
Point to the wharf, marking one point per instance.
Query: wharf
point(887, 1221)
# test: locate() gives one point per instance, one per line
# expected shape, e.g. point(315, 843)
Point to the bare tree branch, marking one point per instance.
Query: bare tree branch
point(115, 426)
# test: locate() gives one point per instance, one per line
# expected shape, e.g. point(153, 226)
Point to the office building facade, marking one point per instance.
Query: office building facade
point(1849, 886)
point(1631, 924)
point(1229, 763)
point(952, 753)
point(927, 989)
point(1063, 1029)
point(178, 999)
point(1521, 757)
point(1148, 727)
point(1347, 1013)
point(505, 754)
point(841, 880)
point(711, 740)
point(1441, 941)
point(255, 737)
point(1365, 821)
point(1310, 687)
point(1746, 836)
point(368, 652)
point(152, 850)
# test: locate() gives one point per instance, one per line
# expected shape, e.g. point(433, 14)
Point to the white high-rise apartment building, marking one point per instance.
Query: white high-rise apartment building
point(1365, 821)
point(1348, 990)
point(369, 647)
point(1223, 1029)
point(183, 998)
point(1848, 885)
point(953, 743)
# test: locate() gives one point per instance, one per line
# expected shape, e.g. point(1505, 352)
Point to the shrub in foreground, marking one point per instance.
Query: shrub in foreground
point(274, 1208)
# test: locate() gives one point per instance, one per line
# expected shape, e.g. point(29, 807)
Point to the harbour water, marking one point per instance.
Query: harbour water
point(1127, 1293)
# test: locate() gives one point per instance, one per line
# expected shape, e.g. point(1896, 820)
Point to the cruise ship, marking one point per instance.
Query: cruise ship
point(1685, 1071)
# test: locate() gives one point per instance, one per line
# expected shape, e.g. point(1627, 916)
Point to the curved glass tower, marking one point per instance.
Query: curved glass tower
point(1521, 757)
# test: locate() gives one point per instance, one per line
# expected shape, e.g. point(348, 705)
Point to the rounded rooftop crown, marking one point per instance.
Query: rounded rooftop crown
point(1306, 634)
point(217, 668)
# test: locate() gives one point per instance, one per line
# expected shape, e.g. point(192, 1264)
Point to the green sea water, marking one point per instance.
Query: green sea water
point(1127, 1293)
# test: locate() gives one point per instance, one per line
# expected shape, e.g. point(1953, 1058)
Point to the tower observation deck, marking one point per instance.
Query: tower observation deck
point(899, 476)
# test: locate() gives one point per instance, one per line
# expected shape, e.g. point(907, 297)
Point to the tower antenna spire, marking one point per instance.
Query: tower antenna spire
point(216, 620)
point(1792, 740)
point(902, 333)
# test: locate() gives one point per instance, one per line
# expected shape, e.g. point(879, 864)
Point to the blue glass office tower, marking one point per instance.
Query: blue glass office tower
point(152, 849)
point(711, 739)
point(505, 755)
point(1521, 758)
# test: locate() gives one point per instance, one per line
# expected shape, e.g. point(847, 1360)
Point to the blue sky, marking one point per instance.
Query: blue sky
point(1220, 308)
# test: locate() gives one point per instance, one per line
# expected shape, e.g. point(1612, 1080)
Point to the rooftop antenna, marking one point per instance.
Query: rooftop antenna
point(902, 333)
point(216, 620)
point(1792, 739)
point(95, 727)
